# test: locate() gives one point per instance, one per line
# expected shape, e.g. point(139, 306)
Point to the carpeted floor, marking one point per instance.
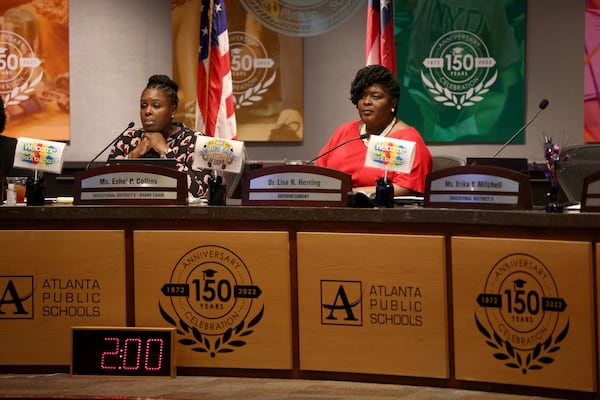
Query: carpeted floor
point(65, 386)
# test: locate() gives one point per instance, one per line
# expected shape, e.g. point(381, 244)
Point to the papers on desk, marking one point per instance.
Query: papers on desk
point(408, 200)
point(573, 207)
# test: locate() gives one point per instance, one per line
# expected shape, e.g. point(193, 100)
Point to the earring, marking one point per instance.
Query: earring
point(393, 110)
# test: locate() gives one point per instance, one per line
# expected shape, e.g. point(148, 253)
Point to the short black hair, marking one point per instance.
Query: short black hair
point(2, 115)
point(166, 84)
point(370, 75)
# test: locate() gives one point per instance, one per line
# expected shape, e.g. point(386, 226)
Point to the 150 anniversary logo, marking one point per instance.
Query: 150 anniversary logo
point(520, 313)
point(460, 69)
point(213, 301)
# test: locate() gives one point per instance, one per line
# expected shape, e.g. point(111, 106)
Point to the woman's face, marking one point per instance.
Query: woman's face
point(156, 110)
point(375, 107)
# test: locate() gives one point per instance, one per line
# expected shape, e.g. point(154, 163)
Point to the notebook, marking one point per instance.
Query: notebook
point(170, 163)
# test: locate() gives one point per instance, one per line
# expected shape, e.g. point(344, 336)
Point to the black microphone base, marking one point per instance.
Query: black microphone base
point(35, 190)
point(384, 194)
point(216, 191)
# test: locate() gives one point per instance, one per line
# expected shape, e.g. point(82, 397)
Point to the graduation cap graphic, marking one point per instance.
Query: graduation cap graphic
point(209, 273)
point(519, 283)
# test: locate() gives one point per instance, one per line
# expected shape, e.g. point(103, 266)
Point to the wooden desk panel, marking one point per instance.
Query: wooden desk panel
point(53, 280)
point(227, 293)
point(577, 229)
point(373, 304)
point(523, 312)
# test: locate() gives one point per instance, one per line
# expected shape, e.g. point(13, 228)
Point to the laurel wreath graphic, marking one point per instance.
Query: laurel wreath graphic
point(252, 95)
point(225, 343)
point(524, 360)
point(447, 98)
point(21, 93)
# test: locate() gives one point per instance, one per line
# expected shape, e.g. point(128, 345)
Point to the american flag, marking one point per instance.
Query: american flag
point(380, 47)
point(215, 109)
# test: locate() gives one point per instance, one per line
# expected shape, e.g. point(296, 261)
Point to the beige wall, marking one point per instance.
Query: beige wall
point(116, 45)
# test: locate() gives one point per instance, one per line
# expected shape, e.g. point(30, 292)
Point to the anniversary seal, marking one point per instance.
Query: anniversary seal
point(522, 310)
point(460, 69)
point(20, 68)
point(212, 295)
point(302, 17)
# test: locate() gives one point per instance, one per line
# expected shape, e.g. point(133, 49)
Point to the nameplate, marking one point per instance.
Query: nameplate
point(590, 198)
point(478, 187)
point(296, 185)
point(130, 184)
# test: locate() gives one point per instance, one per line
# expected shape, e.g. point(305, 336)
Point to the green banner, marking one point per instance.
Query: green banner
point(461, 65)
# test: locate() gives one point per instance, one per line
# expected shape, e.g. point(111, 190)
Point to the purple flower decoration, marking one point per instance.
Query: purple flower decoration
point(551, 155)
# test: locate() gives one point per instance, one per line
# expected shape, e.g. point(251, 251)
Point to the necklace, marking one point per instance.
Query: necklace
point(386, 131)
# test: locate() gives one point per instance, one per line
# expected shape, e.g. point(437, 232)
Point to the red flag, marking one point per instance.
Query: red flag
point(380, 47)
point(215, 109)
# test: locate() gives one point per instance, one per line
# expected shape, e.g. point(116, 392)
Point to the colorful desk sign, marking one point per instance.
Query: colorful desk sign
point(218, 154)
point(390, 154)
point(478, 186)
point(40, 155)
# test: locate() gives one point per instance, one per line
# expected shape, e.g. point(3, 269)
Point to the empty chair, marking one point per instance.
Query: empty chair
point(575, 163)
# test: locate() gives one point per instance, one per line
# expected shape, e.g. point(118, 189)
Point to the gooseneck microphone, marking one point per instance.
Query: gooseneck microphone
point(361, 137)
point(543, 104)
point(110, 144)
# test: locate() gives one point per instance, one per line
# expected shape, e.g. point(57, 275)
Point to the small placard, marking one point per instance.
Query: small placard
point(120, 351)
point(478, 187)
point(390, 154)
point(40, 155)
point(218, 154)
point(130, 184)
point(296, 185)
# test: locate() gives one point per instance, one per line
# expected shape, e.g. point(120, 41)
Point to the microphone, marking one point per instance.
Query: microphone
point(363, 136)
point(543, 104)
point(110, 144)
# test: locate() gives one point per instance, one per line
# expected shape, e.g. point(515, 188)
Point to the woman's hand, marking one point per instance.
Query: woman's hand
point(156, 141)
point(142, 148)
point(149, 140)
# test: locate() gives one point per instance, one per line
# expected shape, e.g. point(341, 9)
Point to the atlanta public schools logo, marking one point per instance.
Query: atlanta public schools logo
point(522, 309)
point(341, 303)
point(16, 297)
point(460, 69)
point(213, 297)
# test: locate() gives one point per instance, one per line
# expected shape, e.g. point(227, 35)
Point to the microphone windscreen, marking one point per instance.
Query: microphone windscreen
point(543, 104)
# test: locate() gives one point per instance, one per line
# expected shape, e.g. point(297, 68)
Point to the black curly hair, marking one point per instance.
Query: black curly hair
point(370, 75)
point(2, 115)
point(168, 85)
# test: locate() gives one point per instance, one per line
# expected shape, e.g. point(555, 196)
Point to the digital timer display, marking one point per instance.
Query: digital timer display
point(123, 351)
